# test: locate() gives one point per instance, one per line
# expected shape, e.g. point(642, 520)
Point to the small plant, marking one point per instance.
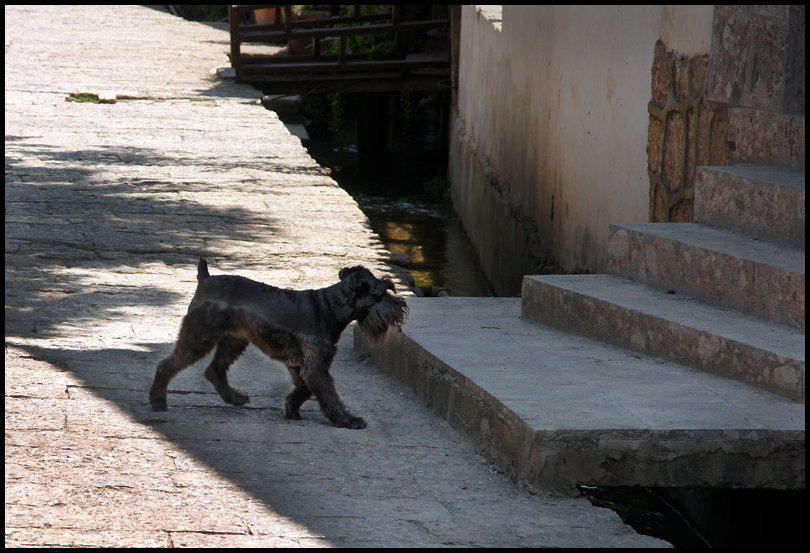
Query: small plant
point(88, 98)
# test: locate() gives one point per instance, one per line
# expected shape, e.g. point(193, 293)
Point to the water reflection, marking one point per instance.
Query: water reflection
point(429, 233)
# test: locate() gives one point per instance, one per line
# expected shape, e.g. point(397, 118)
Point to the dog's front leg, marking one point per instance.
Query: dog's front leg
point(317, 379)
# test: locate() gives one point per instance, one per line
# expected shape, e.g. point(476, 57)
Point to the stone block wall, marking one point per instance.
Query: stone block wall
point(757, 69)
point(758, 57)
point(685, 131)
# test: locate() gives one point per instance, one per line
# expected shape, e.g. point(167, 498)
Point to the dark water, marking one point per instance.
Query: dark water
point(710, 517)
point(430, 234)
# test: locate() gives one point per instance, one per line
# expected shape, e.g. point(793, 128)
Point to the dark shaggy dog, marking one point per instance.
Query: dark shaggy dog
point(298, 328)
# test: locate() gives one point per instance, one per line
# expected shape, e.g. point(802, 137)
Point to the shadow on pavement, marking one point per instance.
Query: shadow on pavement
point(82, 246)
point(336, 482)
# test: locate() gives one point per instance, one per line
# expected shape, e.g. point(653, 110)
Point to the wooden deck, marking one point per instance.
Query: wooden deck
point(322, 49)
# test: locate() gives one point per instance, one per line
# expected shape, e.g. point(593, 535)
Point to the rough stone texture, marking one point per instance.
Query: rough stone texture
point(108, 206)
point(762, 278)
point(682, 123)
point(88, 464)
point(758, 57)
point(674, 150)
point(756, 136)
point(671, 326)
point(766, 202)
point(757, 72)
point(556, 409)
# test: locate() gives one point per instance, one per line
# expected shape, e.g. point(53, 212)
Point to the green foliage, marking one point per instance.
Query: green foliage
point(84, 97)
point(338, 119)
point(375, 46)
point(216, 13)
point(88, 98)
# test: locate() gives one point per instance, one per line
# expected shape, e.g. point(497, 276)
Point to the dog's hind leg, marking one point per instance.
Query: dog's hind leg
point(281, 345)
point(201, 329)
point(228, 350)
point(298, 396)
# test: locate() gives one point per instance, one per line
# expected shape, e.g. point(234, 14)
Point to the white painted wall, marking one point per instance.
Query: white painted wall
point(554, 98)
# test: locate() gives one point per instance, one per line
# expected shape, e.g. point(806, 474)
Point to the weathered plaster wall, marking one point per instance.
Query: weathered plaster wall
point(549, 142)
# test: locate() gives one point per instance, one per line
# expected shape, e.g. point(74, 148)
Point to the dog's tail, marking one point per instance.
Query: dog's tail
point(202, 270)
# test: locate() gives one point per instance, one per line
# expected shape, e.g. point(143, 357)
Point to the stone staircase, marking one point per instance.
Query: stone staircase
point(684, 366)
point(725, 294)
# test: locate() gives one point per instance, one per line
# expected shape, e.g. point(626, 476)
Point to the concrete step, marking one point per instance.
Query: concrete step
point(762, 201)
point(555, 410)
point(671, 326)
point(750, 275)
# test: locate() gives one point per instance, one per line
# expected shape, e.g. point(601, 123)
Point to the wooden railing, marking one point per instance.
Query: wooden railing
point(320, 60)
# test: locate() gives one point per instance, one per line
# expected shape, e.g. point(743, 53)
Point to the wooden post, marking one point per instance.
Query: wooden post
point(455, 44)
point(236, 55)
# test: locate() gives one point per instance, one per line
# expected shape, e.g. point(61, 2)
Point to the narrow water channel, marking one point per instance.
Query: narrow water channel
point(410, 212)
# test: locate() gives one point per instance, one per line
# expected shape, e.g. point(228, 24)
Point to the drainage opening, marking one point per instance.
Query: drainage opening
point(698, 517)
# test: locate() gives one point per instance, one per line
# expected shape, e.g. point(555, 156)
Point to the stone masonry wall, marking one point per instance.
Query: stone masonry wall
point(758, 54)
point(758, 69)
point(685, 131)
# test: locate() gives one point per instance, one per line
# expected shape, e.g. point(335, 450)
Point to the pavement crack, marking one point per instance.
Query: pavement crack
point(209, 532)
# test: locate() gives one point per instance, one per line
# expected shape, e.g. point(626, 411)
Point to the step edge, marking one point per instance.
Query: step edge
point(795, 254)
point(655, 295)
point(785, 374)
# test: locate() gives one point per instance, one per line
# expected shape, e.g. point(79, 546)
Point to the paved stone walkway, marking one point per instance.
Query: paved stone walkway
point(108, 206)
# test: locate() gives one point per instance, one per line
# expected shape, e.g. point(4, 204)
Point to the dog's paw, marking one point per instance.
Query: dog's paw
point(159, 404)
point(235, 398)
point(291, 412)
point(355, 423)
point(292, 415)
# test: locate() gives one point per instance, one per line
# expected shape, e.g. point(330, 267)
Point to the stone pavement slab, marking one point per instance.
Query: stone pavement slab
point(108, 206)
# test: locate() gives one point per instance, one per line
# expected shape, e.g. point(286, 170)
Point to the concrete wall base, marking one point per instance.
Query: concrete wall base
point(505, 239)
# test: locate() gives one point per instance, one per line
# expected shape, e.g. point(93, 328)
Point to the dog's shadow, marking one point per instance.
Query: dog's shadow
point(254, 446)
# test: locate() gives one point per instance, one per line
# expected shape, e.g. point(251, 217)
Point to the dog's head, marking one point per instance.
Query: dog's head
point(375, 309)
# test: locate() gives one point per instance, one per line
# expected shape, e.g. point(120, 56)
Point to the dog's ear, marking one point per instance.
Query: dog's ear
point(344, 272)
point(347, 271)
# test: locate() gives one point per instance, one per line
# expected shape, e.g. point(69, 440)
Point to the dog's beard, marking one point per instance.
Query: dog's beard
point(389, 311)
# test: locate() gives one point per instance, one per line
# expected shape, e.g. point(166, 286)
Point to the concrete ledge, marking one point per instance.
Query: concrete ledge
point(753, 276)
point(676, 327)
point(555, 410)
